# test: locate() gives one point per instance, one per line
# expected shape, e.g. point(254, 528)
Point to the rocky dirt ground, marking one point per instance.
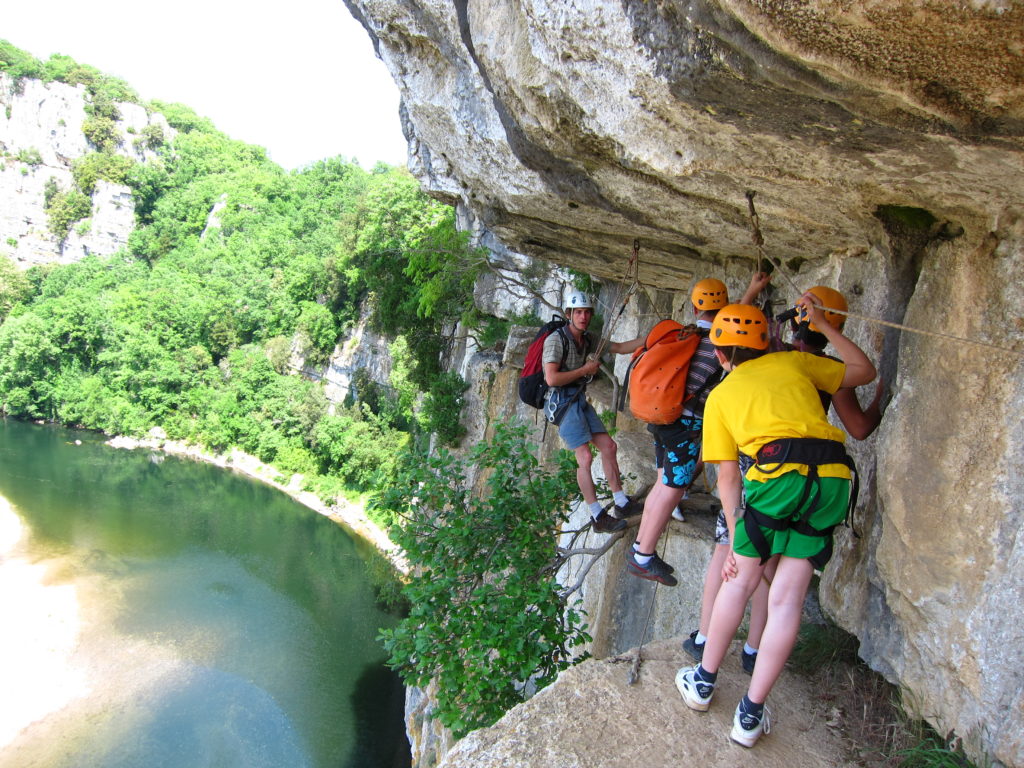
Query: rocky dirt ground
point(594, 718)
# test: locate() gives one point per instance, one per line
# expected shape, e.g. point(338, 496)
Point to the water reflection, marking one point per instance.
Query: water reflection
point(220, 623)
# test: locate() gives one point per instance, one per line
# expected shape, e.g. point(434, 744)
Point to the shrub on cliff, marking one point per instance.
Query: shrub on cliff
point(64, 208)
point(487, 616)
point(101, 132)
point(88, 169)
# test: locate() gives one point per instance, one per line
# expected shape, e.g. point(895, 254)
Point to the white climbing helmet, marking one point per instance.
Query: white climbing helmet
point(577, 300)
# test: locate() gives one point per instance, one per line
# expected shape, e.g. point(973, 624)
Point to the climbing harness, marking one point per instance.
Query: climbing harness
point(812, 452)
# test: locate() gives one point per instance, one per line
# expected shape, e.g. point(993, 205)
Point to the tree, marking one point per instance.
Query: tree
point(65, 208)
point(486, 612)
point(15, 287)
point(27, 358)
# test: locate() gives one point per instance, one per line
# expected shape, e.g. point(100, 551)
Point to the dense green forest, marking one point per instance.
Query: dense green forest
point(191, 328)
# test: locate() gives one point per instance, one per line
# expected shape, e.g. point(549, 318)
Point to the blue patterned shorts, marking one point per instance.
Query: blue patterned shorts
point(676, 449)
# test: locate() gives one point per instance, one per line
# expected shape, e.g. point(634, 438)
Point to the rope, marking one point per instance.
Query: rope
point(758, 240)
point(631, 272)
point(634, 670)
point(935, 334)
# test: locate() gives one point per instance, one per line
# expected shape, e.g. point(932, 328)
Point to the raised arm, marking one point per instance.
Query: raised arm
point(758, 282)
point(859, 423)
point(859, 369)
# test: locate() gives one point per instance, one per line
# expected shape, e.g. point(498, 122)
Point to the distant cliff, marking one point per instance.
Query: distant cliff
point(41, 136)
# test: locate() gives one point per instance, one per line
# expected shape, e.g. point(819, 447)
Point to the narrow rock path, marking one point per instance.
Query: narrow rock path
point(592, 718)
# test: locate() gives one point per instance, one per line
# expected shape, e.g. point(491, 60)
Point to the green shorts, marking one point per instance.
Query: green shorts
point(777, 498)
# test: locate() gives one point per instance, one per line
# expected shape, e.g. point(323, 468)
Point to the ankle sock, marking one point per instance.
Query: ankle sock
point(641, 558)
point(705, 676)
point(748, 707)
point(595, 509)
point(748, 650)
point(700, 638)
point(621, 499)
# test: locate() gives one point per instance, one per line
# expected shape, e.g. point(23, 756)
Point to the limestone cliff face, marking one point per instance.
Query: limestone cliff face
point(40, 137)
point(885, 143)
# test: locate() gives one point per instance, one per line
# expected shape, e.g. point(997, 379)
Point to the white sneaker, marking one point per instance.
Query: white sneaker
point(696, 693)
point(747, 729)
point(678, 515)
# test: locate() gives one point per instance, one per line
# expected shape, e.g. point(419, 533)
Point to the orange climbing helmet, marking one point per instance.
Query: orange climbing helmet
point(740, 325)
point(709, 294)
point(829, 298)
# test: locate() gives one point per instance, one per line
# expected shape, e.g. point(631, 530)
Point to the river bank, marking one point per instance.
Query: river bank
point(349, 515)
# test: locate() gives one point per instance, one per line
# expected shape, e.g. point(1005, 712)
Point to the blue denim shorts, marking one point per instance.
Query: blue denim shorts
point(580, 424)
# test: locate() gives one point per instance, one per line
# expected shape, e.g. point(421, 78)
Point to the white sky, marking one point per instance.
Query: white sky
point(299, 78)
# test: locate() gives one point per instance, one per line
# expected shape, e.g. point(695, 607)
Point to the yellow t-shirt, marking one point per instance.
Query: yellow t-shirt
point(772, 397)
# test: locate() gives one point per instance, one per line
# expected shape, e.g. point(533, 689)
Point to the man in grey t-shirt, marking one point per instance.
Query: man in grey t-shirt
point(580, 425)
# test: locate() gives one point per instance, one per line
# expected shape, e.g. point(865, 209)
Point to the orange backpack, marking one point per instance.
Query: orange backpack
point(656, 378)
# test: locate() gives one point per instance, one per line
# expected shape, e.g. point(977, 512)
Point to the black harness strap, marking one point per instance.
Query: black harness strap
point(811, 452)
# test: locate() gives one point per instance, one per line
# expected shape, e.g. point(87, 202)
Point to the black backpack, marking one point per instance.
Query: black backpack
point(532, 386)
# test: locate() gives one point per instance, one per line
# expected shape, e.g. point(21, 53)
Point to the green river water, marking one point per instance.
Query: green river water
point(156, 611)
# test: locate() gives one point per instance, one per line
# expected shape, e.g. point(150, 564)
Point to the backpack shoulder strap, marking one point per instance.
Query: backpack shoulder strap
point(565, 345)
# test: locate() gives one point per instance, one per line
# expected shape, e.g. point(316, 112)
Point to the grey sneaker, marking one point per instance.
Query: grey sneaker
point(747, 729)
point(692, 647)
point(668, 567)
point(655, 570)
point(748, 660)
point(696, 693)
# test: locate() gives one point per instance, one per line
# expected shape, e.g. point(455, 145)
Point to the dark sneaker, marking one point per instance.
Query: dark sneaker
point(655, 570)
point(692, 647)
point(605, 523)
point(696, 693)
point(747, 729)
point(633, 507)
point(668, 567)
point(748, 660)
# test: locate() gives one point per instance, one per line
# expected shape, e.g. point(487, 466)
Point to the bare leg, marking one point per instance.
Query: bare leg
point(759, 606)
point(658, 506)
point(584, 458)
point(712, 583)
point(785, 608)
point(609, 459)
point(730, 605)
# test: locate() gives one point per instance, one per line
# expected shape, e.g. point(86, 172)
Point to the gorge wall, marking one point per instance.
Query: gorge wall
point(885, 144)
point(40, 138)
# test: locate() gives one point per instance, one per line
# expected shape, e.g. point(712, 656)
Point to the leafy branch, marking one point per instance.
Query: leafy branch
point(487, 612)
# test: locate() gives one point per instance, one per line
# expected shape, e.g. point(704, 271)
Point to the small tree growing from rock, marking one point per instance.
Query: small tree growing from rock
point(486, 612)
